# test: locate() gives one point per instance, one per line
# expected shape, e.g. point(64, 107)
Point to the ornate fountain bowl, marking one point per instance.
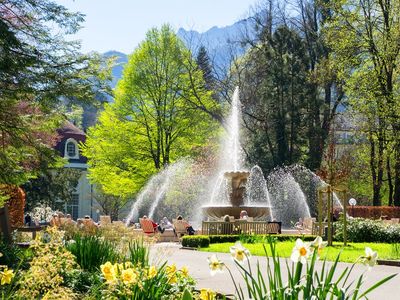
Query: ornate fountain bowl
point(218, 212)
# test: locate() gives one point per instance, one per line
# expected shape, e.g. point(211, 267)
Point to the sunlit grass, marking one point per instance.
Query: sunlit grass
point(350, 253)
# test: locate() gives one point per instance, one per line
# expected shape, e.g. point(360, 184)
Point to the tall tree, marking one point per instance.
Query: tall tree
point(364, 36)
point(157, 117)
point(38, 69)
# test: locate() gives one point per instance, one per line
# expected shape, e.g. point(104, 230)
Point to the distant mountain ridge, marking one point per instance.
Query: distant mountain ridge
point(220, 42)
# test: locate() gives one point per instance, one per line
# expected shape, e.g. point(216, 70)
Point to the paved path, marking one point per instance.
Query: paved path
point(196, 261)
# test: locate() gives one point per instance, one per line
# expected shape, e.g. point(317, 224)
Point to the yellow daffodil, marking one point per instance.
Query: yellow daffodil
point(152, 272)
point(171, 269)
point(6, 276)
point(128, 276)
point(215, 264)
point(301, 252)
point(172, 278)
point(108, 270)
point(185, 271)
point(239, 253)
point(370, 257)
point(207, 294)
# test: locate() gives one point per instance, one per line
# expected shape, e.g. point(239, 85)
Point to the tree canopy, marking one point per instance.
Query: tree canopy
point(159, 115)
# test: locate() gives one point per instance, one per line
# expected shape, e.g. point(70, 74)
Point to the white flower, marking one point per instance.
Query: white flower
point(215, 264)
point(318, 244)
point(301, 252)
point(370, 257)
point(239, 253)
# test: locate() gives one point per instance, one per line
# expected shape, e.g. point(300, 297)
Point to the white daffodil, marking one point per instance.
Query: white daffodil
point(318, 244)
point(370, 257)
point(215, 265)
point(301, 252)
point(239, 253)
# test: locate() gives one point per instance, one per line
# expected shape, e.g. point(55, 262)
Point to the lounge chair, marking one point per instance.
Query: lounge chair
point(180, 227)
point(147, 227)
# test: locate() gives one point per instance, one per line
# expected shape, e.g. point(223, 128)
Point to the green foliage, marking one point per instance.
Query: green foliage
point(303, 281)
point(138, 253)
point(13, 256)
point(195, 241)
point(366, 230)
point(158, 116)
point(50, 186)
point(92, 251)
point(41, 69)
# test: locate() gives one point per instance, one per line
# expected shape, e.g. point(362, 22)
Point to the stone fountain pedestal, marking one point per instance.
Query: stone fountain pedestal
point(238, 182)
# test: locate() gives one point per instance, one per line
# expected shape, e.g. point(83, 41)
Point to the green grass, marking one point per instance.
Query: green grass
point(350, 253)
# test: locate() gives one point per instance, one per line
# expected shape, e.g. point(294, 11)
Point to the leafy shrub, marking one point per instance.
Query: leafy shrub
point(195, 241)
point(13, 256)
point(138, 253)
point(365, 230)
point(48, 269)
point(92, 251)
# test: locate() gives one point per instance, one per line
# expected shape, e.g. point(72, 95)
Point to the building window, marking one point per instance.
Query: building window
point(71, 149)
point(73, 206)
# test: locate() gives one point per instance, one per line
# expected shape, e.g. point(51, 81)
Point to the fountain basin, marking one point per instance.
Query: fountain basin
point(218, 212)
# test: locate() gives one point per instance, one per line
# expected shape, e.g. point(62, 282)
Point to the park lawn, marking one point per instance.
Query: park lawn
point(350, 253)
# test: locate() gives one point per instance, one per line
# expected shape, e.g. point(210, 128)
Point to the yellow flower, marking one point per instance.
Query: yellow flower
point(6, 276)
point(171, 269)
point(172, 279)
point(152, 272)
point(128, 276)
point(239, 253)
point(185, 272)
point(108, 270)
point(207, 294)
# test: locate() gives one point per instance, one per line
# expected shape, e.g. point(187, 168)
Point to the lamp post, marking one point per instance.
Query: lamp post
point(352, 202)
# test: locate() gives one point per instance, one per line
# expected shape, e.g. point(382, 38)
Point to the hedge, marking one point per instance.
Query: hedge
point(196, 241)
point(373, 212)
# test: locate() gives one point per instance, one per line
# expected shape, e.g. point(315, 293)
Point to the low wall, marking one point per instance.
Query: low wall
point(374, 212)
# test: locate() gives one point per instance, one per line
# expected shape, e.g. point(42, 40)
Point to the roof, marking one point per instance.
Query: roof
point(70, 131)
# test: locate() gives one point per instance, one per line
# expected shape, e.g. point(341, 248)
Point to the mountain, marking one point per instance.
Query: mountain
point(222, 43)
point(120, 60)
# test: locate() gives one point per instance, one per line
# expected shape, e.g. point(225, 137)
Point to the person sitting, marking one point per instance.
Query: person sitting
point(299, 225)
point(55, 220)
point(189, 227)
point(155, 225)
point(164, 224)
point(28, 220)
point(68, 220)
point(243, 215)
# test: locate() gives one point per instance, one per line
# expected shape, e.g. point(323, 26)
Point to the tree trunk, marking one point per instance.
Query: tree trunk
point(376, 188)
point(390, 182)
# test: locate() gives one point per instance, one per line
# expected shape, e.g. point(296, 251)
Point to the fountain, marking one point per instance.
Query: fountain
point(229, 196)
point(179, 189)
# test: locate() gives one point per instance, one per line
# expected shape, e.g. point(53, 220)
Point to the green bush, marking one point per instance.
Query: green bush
point(195, 241)
point(370, 231)
point(92, 251)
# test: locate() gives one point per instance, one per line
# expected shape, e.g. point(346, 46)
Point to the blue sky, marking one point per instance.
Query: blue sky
point(122, 24)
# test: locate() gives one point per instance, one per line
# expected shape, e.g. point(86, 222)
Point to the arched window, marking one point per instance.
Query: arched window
point(71, 149)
